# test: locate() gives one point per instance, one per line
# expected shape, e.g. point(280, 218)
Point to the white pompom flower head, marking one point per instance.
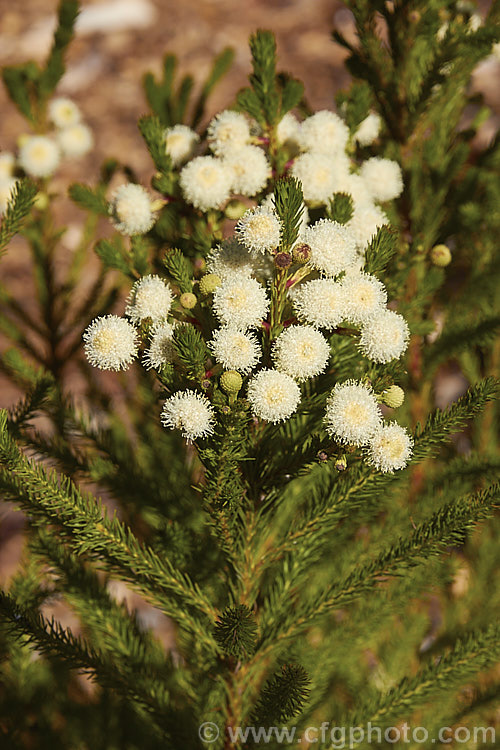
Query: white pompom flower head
point(274, 396)
point(301, 352)
point(368, 130)
point(206, 182)
point(64, 112)
point(316, 173)
point(228, 131)
point(333, 247)
point(383, 178)
point(75, 140)
point(39, 156)
point(235, 350)
point(320, 302)
point(390, 448)
point(323, 132)
point(352, 413)
point(111, 343)
point(180, 143)
point(259, 229)
point(131, 210)
point(365, 296)
point(251, 169)
point(150, 297)
point(191, 413)
point(384, 336)
point(241, 302)
point(161, 349)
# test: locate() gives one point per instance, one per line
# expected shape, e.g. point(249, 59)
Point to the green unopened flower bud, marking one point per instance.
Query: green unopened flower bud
point(441, 255)
point(188, 300)
point(301, 253)
point(231, 381)
point(41, 201)
point(209, 283)
point(341, 463)
point(282, 260)
point(393, 396)
point(235, 210)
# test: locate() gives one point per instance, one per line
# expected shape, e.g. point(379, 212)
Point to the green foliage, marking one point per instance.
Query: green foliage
point(191, 350)
point(152, 132)
point(289, 205)
point(54, 68)
point(20, 204)
point(179, 269)
point(89, 199)
point(341, 208)
point(236, 631)
point(284, 695)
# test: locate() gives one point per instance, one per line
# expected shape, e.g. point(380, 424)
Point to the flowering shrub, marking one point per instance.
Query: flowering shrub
point(288, 494)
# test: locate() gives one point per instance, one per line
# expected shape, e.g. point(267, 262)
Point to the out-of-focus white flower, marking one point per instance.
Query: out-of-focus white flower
point(180, 143)
point(75, 140)
point(324, 132)
point(64, 112)
point(251, 170)
point(39, 156)
point(368, 130)
point(333, 246)
point(130, 209)
point(365, 222)
point(7, 185)
point(7, 163)
point(383, 178)
point(316, 172)
point(228, 130)
point(206, 182)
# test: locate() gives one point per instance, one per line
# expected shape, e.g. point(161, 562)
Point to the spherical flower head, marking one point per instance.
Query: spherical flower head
point(355, 186)
point(130, 209)
point(365, 296)
point(235, 350)
point(227, 131)
point(191, 413)
point(241, 302)
point(63, 112)
point(150, 297)
point(111, 343)
point(368, 130)
point(259, 229)
point(324, 132)
point(288, 131)
point(316, 172)
point(352, 413)
point(383, 178)
point(7, 185)
point(273, 395)
point(301, 352)
point(7, 163)
point(230, 259)
point(161, 349)
point(384, 336)
point(251, 169)
point(390, 448)
point(320, 302)
point(206, 182)
point(441, 256)
point(75, 140)
point(180, 143)
point(365, 222)
point(333, 247)
point(209, 283)
point(39, 156)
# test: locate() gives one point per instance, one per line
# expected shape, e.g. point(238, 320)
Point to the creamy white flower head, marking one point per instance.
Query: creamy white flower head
point(191, 413)
point(39, 156)
point(316, 172)
point(390, 448)
point(355, 186)
point(206, 182)
point(259, 229)
point(273, 395)
point(365, 222)
point(180, 143)
point(235, 350)
point(324, 132)
point(228, 130)
point(7, 185)
point(288, 130)
point(251, 169)
point(352, 413)
point(301, 352)
point(63, 112)
point(320, 302)
point(384, 336)
point(7, 162)
point(333, 246)
point(368, 130)
point(161, 350)
point(230, 258)
point(383, 178)
point(365, 295)
point(150, 297)
point(130, 209)
point(75, 140)
point(111, 343)
point(240, 302)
